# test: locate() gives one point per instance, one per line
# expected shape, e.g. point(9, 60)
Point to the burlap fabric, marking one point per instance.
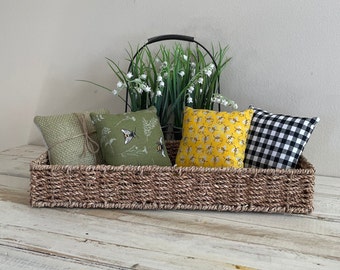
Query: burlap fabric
point(71, 138)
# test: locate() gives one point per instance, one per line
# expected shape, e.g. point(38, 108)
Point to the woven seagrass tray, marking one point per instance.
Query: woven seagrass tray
point(155, 187)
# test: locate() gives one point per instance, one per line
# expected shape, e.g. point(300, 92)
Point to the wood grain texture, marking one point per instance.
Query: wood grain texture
point(59, 238)
point(15, 161)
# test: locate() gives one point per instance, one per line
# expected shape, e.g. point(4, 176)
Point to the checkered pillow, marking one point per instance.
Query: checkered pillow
point(277, 141)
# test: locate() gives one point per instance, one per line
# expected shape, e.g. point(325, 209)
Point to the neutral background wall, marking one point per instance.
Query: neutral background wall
point(285, 54)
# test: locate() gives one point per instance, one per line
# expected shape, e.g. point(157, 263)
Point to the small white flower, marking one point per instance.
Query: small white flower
point(159, 78)
point(191, 89)
point(158, 93)
point(201, 91)
point(212, 66)
point(200, 80)
point(129, 75)
point(119, 84)
point(225, 102)
point(147, 89)
point(161, 84)
point(139, 90)
point(185, 57)
point(143, 76)
point(181, 73)
point(208, 72)
point(114, 92)
point(189, 100)
point(165, 63)
point(235, 106)
point(193, 64)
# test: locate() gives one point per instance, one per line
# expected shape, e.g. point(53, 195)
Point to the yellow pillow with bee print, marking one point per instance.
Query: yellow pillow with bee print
point(213, 139)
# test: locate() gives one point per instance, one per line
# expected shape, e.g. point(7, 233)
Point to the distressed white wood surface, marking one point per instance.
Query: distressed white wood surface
point(43, 238)
point(15, 161)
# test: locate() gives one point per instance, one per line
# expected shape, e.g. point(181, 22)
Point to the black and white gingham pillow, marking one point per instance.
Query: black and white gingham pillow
point(275, 140)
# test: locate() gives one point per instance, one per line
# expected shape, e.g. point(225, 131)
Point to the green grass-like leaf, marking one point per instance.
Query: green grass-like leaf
point(174, 98)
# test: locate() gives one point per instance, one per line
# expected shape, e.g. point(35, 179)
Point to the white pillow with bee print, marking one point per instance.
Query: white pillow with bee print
point(133, 138)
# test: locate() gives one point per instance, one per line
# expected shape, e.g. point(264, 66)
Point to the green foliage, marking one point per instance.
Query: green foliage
point(171, 79)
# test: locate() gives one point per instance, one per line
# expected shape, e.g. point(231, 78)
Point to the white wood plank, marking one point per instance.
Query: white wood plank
point(18, 259)
point(14, 189)
point(162, 239)
point(26, 151)
point(327, 181)
point(108, 251)
point(14, 167)
point(16, 161)
point(327, 198)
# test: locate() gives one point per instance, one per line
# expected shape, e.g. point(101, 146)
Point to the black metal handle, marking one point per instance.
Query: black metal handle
point(171, 36)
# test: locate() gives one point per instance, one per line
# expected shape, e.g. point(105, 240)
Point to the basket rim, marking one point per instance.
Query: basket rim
point(41, 164)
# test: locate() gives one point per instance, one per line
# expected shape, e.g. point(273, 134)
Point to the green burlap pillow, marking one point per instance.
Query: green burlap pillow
point(71, 138)
point(133, 138)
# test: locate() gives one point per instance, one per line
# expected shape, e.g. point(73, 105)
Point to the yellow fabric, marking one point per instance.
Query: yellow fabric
point(213, 139)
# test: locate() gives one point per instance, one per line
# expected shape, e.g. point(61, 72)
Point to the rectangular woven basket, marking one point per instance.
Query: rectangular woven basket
point(155, 187)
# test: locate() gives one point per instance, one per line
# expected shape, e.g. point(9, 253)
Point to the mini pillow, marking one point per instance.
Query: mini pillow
point(133, 138)
point(71, 138)
point(276, 140)
point(213, 139)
